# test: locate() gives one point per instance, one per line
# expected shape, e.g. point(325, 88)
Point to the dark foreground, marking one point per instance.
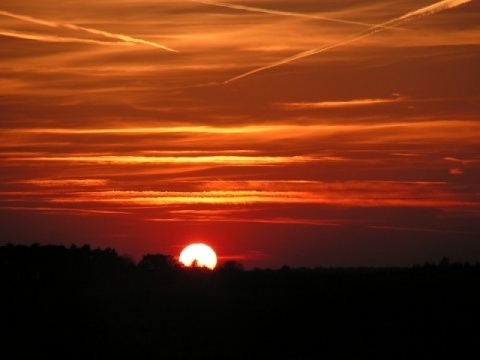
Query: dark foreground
point(78, 303)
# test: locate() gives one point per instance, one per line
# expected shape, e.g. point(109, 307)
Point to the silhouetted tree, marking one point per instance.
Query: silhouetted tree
point(445, 261)
point(231, 266)
point(89, 301)
point(157, 263)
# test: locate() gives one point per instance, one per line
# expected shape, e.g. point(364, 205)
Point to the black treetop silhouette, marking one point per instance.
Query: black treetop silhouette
point(80, 302)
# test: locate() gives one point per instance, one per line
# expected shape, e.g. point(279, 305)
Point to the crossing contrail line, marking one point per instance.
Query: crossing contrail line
point(58, 39)
point(428, 10)
point(110, 35)
point(279, 12)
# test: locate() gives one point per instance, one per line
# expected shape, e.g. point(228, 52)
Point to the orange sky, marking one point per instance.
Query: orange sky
point(299, 133)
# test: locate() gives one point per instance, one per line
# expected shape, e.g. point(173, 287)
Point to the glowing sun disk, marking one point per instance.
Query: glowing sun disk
point(200, 255)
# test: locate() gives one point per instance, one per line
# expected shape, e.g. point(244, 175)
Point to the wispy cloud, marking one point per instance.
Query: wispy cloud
point(279, 12)
point(220, 159)
point(196, 217)
point(251, 255)
point(210, 145)
point(64, 210)
point(112, 137)
point(122, 37)
point(347, 194)
point(247, 214)
point(65, 182)
point(462, 161)
point(29, 19)
point(428, 10)
point(57, 39)
point(337, 104)
point(456, 171)
point(466, 163)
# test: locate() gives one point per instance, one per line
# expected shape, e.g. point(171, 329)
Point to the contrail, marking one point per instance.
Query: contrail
point(428, 10)
point(60, 39)
point(121, 37)
point(125, 38)
point(28, 18)
point(279, 12)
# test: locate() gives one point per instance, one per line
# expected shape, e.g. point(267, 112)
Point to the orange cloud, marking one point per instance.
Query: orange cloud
point(53, 38)
point(130, 159)
point(456, 171)
point(428, 10)
point(121, 37)
point(337, 104)
point(350, 194)
point(321, 147)
point(63, 210)
point(462, 161)
point(279, 12)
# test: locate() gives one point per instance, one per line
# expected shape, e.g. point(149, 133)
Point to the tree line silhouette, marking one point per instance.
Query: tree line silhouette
point(79, 302)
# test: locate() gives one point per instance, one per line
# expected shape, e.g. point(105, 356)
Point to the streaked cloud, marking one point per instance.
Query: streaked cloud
point(226, 160)
point(428, 10)
point(462, 161)
point(350, 193)
point(121, 37)
point(456, 171)
point(66, 182)
point(251, 255)
point(278, 12)
point(58, 39)
point(64, 210)
point(338, 104)
point(107, 138)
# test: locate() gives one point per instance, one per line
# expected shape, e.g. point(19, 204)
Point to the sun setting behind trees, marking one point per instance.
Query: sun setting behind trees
point(328, 151)
point(87, 303)
point(198, 255)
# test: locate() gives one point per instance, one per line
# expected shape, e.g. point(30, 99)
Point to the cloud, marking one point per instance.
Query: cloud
point(456, 171)
point(63, 210)
point(428, 10)
point(66, 182)
point(362, 194)
point(251, 255)
point(231, 160)
point(29, 19)
point(279, 12)
point(237, 215)
point(209, 145)
point(337, 104)
point(462, 161)
point(121, 37)
point(57, 39)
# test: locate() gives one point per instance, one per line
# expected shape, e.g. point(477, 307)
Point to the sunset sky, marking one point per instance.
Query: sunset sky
point(279, 132)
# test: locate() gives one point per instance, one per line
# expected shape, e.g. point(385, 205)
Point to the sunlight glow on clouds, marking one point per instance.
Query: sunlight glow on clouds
point(228, 160)
point(338, 104)
point(428, 10)
point(262, 126)
point(121, 37)
point(50, 38)
point(350, 193)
